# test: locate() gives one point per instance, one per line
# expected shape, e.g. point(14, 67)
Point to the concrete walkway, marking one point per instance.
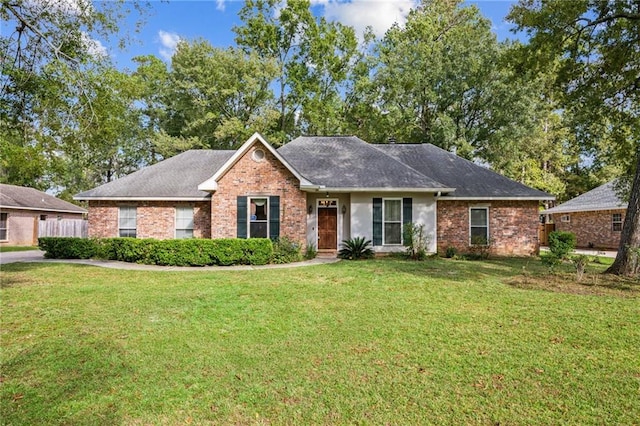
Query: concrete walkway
point(38, 256)
point(603, 253)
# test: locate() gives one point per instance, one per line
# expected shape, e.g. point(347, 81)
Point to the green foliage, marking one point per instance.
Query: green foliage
point(561, 244)
point(67, 247)
point(480, 248)
point(355, 249)
point(451, 252)
point(182, 252)
point(415, 240)
point(286, 251)
point(311, 251)
point(580, 262)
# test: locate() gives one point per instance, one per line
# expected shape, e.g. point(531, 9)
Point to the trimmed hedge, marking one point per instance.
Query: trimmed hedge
point(188, 252)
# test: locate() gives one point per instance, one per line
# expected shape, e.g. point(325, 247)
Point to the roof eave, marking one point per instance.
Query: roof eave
point(203, 198)
point(377, 189)
point(506, 198)
point(585, 209)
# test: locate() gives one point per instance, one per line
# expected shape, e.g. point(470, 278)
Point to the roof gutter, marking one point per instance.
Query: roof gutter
point(44, 209)
point(205, 198)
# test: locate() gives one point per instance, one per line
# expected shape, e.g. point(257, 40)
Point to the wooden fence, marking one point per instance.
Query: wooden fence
point(63, 228)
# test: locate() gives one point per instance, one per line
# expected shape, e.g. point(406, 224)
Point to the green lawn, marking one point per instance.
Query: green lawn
point(373, 342)
point(7, 249)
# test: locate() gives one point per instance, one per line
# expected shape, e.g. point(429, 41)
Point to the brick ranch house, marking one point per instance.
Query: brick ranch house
point(595, 217)
point(26, 214)
point(320, 191)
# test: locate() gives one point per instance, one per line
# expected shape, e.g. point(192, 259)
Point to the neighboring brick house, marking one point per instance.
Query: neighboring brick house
point(320, 191)
point(595, 217)
point(26, 213)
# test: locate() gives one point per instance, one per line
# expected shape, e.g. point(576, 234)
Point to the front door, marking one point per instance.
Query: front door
point(327, 228)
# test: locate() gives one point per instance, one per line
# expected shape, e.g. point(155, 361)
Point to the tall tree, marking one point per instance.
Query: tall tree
point(439, 79)
point(313, 58)
point(217, 97)
point(597, 44)
point(47, 48)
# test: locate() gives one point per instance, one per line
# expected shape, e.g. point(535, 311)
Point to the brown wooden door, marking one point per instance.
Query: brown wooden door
point(327, 228)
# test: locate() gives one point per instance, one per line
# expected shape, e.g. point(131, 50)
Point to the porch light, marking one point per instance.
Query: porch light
point(344, 208)
point(310, 209)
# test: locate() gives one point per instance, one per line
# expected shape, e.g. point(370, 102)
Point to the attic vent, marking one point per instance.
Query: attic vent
point(391, 140)
point(258, 155)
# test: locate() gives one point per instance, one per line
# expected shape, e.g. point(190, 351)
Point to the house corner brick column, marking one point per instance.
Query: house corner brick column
point(267, 177)
point(513, 226)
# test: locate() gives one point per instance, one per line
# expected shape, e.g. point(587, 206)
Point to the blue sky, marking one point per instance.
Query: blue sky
point(213, 20)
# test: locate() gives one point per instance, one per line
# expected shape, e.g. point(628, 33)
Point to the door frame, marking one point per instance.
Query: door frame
point(338, 219)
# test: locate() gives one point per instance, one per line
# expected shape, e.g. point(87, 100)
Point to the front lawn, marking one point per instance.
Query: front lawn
point(7, 249)
point(372, 342)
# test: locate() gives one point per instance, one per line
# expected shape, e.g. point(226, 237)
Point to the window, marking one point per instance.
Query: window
point(565, 218)
point(392, 221)
point(184, 222)
point(3, 226)
point(127, 222)
point(258, 218)
point(479, 226)
point(616, 222)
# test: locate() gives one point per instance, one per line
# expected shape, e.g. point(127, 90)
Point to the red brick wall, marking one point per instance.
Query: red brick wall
point(513, 226)
point(249, 178)
point(592, 227)
point(155, 219)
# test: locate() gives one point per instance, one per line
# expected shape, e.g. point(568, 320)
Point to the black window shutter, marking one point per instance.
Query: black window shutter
point(242, 217)
point(274, 217)
point(377, 221)
point(407, 211)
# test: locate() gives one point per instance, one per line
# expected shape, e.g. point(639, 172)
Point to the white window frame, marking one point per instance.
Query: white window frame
point(178, 217)
point(120, 228)
point(472, 226)
point(249, 221)
point(385, 221)
point(615, 222)
point(6, 227)
point(565, 218)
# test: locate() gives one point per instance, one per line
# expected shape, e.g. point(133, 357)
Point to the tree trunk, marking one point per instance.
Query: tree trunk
point(627, 261)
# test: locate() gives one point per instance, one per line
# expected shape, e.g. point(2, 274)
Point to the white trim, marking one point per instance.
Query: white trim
point(384, 243)
point(585, 209)
point(486, 208)
point(385, 189)
point(454, 198)
point(267, 212)
point(119, 228)
point(6, 227)
point(83, 211)
point(211, 184)
point(129, 199)
point(175, 221)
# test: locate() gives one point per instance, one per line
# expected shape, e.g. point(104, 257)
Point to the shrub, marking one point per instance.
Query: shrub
point(67, 247)
point(257, 251)
point(310, 252)
point(356, 248)
point(451, 252)
point(286, 251)
point(561, 244)
point(479, 248)
point(187, 252)
point(580, 262)
point(416, 241)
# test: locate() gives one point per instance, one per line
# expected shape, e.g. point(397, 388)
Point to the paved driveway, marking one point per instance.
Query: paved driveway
point(21, 256)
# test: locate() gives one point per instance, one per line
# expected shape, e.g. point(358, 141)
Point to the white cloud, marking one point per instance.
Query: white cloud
point(379, 14)
point(220, 5)
point(94, 47)
point(168, 43)
point(67, 7)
